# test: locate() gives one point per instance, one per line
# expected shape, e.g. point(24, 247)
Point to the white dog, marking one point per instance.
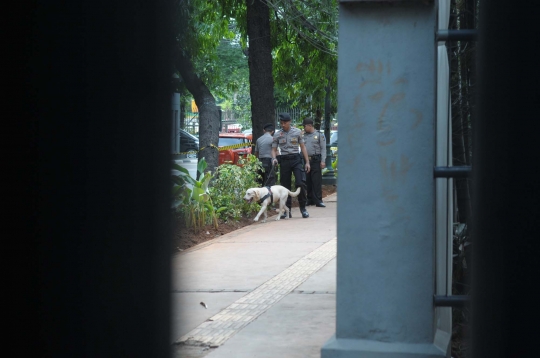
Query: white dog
point(265, 197)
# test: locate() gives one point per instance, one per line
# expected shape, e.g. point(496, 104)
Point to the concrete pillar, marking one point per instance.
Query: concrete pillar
point(386, 212)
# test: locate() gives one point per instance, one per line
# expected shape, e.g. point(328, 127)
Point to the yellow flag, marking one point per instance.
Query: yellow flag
point(194, 108)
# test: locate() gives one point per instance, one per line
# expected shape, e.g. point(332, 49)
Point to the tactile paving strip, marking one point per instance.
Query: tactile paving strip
point(216, 330)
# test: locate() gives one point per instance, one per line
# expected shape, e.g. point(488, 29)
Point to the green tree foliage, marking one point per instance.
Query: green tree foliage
point(305, 51)
point(232, 77)
point(304, 48)
point(216, 44)
point(233, 87)
point(228, 79)
point(200, 26)
point(303, 39)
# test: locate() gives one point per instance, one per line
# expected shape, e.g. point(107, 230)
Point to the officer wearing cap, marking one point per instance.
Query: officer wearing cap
point(288, 140)
point(315, 143)
point(263, 151)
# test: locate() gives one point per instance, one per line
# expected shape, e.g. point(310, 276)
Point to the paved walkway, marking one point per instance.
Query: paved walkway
point(269, 290)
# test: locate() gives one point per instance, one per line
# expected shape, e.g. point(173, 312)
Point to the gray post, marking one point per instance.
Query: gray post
point(385, 260)
point(175, 132)
point(328, 178)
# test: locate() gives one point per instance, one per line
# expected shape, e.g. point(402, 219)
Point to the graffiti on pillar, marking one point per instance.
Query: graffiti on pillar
point(377, 85)
point(387, 90)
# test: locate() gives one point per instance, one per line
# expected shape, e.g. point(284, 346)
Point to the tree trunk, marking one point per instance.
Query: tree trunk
point(261, 82)
point(208, 111)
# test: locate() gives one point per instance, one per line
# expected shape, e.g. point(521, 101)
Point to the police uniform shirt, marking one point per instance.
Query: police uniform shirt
point(264, 146)
point(315, 144)
point(288, 142)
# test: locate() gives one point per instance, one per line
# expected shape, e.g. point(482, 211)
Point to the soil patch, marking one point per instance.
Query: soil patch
point(184, 238)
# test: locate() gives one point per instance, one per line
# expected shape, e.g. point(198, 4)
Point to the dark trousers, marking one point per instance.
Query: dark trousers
point(289, 164)
point(314, 181)
point(268, 173)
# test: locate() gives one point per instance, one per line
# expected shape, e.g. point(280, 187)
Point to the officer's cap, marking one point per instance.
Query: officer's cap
point(268, 127)
point(307, 120)
point(284, 117)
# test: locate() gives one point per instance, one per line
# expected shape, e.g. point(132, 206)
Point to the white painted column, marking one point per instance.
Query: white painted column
point(443, 187)
point(386, 209)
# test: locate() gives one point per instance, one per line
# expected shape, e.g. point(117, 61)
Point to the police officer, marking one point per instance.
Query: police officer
point(263, 151)
point(315, 143)
point(288, 140)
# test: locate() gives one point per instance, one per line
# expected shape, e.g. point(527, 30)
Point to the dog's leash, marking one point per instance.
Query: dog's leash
point(268, 177)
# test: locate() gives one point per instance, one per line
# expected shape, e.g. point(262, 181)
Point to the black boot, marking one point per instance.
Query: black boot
point(304, 212)
point(285, 214)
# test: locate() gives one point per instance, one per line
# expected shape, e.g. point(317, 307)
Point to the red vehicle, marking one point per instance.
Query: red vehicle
point(232, 156)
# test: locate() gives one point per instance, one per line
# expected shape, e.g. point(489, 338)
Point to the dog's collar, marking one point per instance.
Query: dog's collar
point(267, 195)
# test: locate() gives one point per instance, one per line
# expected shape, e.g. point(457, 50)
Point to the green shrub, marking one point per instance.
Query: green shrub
point(229, 187)
point(195, 203)
point(334, 167)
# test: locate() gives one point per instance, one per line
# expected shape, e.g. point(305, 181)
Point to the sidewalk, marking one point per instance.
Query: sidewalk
point(269, 288)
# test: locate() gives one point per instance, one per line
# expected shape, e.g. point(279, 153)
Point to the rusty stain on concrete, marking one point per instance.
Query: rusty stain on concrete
point(395, 171)
point(380, 119)
point(389, 195)
point(373, 66)
point(419, 116)
point(384, 170)
point(385, 143)
point(376, 96)
point(361, 66)
point(358, 124)
point(397, 97)
point(373, 82)
point(405, 165)
point(401, 80)
point(357, 102)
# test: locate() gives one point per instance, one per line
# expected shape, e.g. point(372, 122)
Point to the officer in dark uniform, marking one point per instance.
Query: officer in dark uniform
point(289, 140)
point(263, 151)
point(315, 143)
